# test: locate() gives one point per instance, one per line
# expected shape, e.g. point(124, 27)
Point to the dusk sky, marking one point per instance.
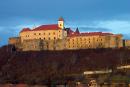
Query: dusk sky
point(89, 15)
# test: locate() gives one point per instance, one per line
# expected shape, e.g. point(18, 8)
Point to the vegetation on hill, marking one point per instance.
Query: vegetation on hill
point(39, 67)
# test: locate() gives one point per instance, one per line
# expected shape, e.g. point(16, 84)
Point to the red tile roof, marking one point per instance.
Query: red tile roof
point(96, 33)
point(25, 29)
point(74, 34)
point(47, 27)
point(43, 27)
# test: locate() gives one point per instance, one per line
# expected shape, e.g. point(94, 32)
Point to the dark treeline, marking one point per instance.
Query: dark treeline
point(42, 67)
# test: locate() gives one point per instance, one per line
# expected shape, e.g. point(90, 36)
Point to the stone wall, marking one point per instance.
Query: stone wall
point(43, 34)
point(127, 43)
point(89, 42)
point(38, 44)
point(16, 41)
point(79, 42)
point(70, 43)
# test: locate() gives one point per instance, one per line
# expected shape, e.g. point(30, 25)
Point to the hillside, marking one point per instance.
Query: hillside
point(43, 66)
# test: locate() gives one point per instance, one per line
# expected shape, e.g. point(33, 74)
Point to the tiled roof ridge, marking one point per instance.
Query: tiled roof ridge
point(43, 27)
point(25, 29)
point(73, 34)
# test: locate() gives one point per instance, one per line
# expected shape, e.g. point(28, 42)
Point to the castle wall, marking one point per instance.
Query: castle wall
point(15, 41)
point(38, 44)
point(77, 42)
point(83, 42)
point(43, 34)
point(119, 40)
point(127, 43)
point(31, 45)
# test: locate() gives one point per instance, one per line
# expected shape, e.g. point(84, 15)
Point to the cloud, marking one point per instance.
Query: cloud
point(116, 26)
point(126, 36)
point(94, 29)
point(113, 26)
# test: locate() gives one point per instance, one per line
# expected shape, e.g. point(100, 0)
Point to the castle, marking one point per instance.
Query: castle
point(57, 37)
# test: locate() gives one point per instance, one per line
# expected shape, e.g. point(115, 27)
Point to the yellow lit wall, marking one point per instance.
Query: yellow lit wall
point(127, 43)
point(83, 42)
point(43, 34)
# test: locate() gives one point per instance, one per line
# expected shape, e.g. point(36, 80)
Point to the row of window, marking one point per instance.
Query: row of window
point(89, 46)
point(86, 39)
point(45, 33)
point(86, 46)
point(40, 34)
point(69, 46)
point(82, 42)
point(54, 38)
point(29, 36)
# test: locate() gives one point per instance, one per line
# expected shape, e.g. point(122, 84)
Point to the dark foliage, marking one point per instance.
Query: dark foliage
point(43, 67)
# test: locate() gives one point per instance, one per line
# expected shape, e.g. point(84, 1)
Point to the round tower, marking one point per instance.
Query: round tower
point(61, 23)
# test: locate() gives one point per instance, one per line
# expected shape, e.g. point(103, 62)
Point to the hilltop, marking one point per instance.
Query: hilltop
point(42, 66)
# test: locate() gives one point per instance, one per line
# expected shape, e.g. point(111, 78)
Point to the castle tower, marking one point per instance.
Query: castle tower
point(61, 23)
point(77, 31)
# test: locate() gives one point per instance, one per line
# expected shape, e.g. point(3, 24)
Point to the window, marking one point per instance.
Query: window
point(44, 33)
point(53, 33)
point(44, 38)
point(54, 38)
point(49, 38)
point(81, 39)
point(49, 33)
point(39, 33)
point(47, 46)
point(27, 35)
point(34, 33)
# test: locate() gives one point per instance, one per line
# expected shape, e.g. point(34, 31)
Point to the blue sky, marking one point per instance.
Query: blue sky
point(89, 15)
